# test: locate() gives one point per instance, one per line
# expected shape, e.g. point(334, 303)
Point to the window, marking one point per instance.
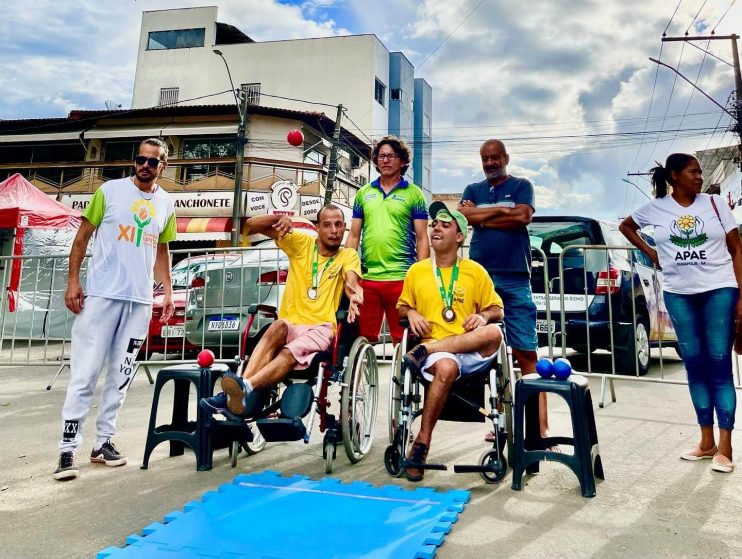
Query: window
point(176, 39)
point(207, 148)
point(252, 90)
point(380, 93)
point(426, 124)
point(168, 96)
point(396, 94)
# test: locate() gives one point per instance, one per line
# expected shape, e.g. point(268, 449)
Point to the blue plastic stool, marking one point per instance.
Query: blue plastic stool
point(528, 450)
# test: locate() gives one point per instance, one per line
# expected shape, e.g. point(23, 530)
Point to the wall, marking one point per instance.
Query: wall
point(423, 135)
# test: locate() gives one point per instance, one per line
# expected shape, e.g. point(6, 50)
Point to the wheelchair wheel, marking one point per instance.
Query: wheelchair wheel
point(359, 400)
point(395, 452)
point(329, 452)
point(395, 393)
point(496, 476)
point(506, 392)
point(234, 451)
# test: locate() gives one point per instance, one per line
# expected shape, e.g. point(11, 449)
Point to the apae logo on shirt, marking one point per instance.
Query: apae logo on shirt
point(682, 235)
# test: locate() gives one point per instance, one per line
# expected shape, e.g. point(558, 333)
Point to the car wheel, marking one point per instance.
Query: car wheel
point(638, 350)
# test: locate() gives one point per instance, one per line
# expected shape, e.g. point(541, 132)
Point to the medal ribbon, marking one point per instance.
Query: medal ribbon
point(447, 297)
point(316, 278)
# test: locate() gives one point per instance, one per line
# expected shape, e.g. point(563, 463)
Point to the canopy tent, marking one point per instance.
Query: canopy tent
point(22, 207)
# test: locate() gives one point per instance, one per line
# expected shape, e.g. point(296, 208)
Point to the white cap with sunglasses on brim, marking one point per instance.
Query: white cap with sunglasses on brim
point(439, 211)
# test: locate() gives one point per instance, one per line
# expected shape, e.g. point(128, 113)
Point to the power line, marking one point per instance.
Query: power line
point(432, 52)
point(723, 16)
point(671, 18)
point(651, 97)
point(696, 16)
point(710, 53)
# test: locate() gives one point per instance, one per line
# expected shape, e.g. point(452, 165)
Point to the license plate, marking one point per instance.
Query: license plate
point(545, 327)
point(173, 332)
point(216, 325)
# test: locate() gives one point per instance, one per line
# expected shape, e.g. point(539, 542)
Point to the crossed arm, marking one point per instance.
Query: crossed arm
point(496, 217)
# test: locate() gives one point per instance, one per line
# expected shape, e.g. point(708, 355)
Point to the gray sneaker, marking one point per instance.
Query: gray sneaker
point(66, 468)
point(108, 455)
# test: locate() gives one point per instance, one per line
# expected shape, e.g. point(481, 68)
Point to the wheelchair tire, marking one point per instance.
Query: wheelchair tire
point(395, 393)
point(234, 452)
point(497, 476)
point(359, 399)
point(329, 452)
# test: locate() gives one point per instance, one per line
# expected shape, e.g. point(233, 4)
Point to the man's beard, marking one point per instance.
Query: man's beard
point(149, 177)
point(494, 174)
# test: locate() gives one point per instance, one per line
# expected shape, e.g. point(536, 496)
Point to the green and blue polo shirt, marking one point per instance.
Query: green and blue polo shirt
point(388, 243)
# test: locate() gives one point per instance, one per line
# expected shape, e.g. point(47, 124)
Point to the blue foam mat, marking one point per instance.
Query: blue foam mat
point(268, 516)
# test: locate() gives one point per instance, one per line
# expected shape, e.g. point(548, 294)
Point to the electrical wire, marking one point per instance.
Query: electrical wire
point(448, 36)
point(696, 17)
point(722, 17)
point(672, 17)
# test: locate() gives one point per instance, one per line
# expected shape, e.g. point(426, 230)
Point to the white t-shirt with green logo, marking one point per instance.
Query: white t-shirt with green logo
point(129, 226)
point(691, 243)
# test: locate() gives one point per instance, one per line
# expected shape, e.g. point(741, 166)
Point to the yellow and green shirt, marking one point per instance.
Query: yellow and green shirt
point(388, 243)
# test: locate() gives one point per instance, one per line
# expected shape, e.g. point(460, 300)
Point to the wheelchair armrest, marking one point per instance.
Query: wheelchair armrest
point(267, 309)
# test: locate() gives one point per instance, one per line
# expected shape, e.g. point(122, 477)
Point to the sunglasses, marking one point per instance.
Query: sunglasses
point(150, 161)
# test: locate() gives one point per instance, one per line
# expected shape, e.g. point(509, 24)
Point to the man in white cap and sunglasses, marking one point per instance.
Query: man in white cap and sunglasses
point(451, 304)
point(133, 220)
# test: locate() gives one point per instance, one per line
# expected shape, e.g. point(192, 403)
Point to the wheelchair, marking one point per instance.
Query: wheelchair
point(278, 413)
point(465, 403)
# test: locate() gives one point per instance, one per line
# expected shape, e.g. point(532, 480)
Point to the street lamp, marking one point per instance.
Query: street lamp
point(240, 165)
point(637, 187)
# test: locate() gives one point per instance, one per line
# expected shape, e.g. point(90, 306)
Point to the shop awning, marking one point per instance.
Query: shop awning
point(204, 228)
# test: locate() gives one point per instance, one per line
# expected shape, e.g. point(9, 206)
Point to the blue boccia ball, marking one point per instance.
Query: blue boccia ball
point(544, 367)
point(562, 368)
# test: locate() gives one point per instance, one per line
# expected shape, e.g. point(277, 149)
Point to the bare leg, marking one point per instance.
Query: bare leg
point(268, 346)
point(444, 373)
point(486, 340)
point(275, 371)
point(527, 363)
point(725, 442)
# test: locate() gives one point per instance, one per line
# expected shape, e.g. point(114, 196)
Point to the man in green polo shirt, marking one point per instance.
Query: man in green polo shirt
point(390, 223)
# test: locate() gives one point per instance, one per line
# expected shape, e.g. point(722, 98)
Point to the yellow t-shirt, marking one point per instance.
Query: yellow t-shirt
point(473, 292)
point(296, 306)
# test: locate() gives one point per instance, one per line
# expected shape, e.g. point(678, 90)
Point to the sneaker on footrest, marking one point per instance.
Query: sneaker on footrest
point(66, 468)
point(236, 391)
point(215, 404)
point(415, 358)
point(108, 455)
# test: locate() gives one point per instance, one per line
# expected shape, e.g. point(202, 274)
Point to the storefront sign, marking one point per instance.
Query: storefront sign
point(284, 196)
point(203, 204)
point(257, 204)
point(75, 201)
point(310, 206)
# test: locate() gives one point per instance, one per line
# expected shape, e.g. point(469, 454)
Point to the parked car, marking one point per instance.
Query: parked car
point(186, 275)
point(598, 292)
point(216, 311)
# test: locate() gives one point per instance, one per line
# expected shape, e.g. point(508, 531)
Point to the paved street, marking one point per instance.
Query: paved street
point(651, 503)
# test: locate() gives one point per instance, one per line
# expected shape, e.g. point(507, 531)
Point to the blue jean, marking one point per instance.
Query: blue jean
point(704, 324)
point(520, 310)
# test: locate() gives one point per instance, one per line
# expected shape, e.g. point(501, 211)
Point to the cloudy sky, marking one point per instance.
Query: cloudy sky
point(567, 83)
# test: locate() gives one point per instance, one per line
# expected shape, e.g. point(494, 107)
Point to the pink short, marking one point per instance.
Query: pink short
point(304, 342)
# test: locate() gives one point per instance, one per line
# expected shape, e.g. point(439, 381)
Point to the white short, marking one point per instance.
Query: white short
point(469, 363)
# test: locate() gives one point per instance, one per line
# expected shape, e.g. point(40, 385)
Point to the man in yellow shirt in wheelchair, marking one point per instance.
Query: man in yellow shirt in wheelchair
point(450, 303)
point(320, 271)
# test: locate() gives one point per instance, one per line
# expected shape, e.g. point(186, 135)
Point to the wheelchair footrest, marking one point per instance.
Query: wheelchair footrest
point(473, 468)
point(282, 429)
point(426, 466)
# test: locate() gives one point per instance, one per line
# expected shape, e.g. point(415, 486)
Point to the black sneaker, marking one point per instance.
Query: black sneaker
point(416, 358)
point(108, 455)
point(66, 468)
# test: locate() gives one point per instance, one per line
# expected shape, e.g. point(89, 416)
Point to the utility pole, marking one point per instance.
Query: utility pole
point(333, 167)
point(737, 78)
point(239, 170)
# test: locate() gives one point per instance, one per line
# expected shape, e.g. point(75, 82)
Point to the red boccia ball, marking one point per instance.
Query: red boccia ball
point(205, 358)
point(295, 138)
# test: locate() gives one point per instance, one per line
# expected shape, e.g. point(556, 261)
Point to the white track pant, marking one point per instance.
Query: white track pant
point(106, 329)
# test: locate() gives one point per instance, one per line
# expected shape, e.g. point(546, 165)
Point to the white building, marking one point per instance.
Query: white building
point(722, 174)
point(176, 63)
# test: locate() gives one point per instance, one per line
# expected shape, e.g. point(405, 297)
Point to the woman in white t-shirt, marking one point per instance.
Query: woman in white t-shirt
point(700, 253)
